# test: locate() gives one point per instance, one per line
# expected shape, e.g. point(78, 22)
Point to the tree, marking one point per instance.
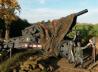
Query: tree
point(17, 27)
point(8, 12)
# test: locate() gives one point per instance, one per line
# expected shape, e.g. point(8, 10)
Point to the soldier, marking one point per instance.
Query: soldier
point(77, 38)
point(71, 52)
point(79, 53)
point(93, 48)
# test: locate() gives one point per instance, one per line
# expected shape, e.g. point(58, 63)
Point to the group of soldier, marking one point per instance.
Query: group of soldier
point(78, 49)
point(74, 49)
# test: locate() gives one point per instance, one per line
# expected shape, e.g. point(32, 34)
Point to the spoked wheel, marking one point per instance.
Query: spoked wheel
point(64, 49)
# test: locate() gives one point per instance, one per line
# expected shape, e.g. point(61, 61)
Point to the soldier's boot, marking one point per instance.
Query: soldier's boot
point(81, 66)
point(81, 63)
point(75, 64)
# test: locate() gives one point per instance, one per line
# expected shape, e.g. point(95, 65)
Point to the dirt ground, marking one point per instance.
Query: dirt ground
point(64, 66)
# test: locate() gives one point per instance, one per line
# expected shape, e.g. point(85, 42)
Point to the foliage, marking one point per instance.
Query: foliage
point(18, 57)
point(87, 31)
point(8, 13)
point(8, 9)
point(96, 29)
point(15, 28)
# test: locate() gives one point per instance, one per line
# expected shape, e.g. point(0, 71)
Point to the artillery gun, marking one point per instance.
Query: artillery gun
point(52, 35)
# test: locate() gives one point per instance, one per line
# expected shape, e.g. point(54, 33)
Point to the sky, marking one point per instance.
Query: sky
point(39, 10)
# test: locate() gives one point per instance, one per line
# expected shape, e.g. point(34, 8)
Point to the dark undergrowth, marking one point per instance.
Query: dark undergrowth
point(15, 60)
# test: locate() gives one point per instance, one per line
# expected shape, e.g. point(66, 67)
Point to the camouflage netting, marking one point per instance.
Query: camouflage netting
point(52, 33)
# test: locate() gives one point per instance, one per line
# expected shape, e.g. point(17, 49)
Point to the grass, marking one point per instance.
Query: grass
point(6, 65)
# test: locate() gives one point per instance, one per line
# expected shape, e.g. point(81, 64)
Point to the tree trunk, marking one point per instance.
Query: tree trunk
point(7, 34)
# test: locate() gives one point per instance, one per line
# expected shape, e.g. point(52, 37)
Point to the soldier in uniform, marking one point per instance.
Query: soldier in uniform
point(77, 38)
point(79, 53)
point(71, 52)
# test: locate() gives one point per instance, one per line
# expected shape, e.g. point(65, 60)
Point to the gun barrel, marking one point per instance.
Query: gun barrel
point(81, 12)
